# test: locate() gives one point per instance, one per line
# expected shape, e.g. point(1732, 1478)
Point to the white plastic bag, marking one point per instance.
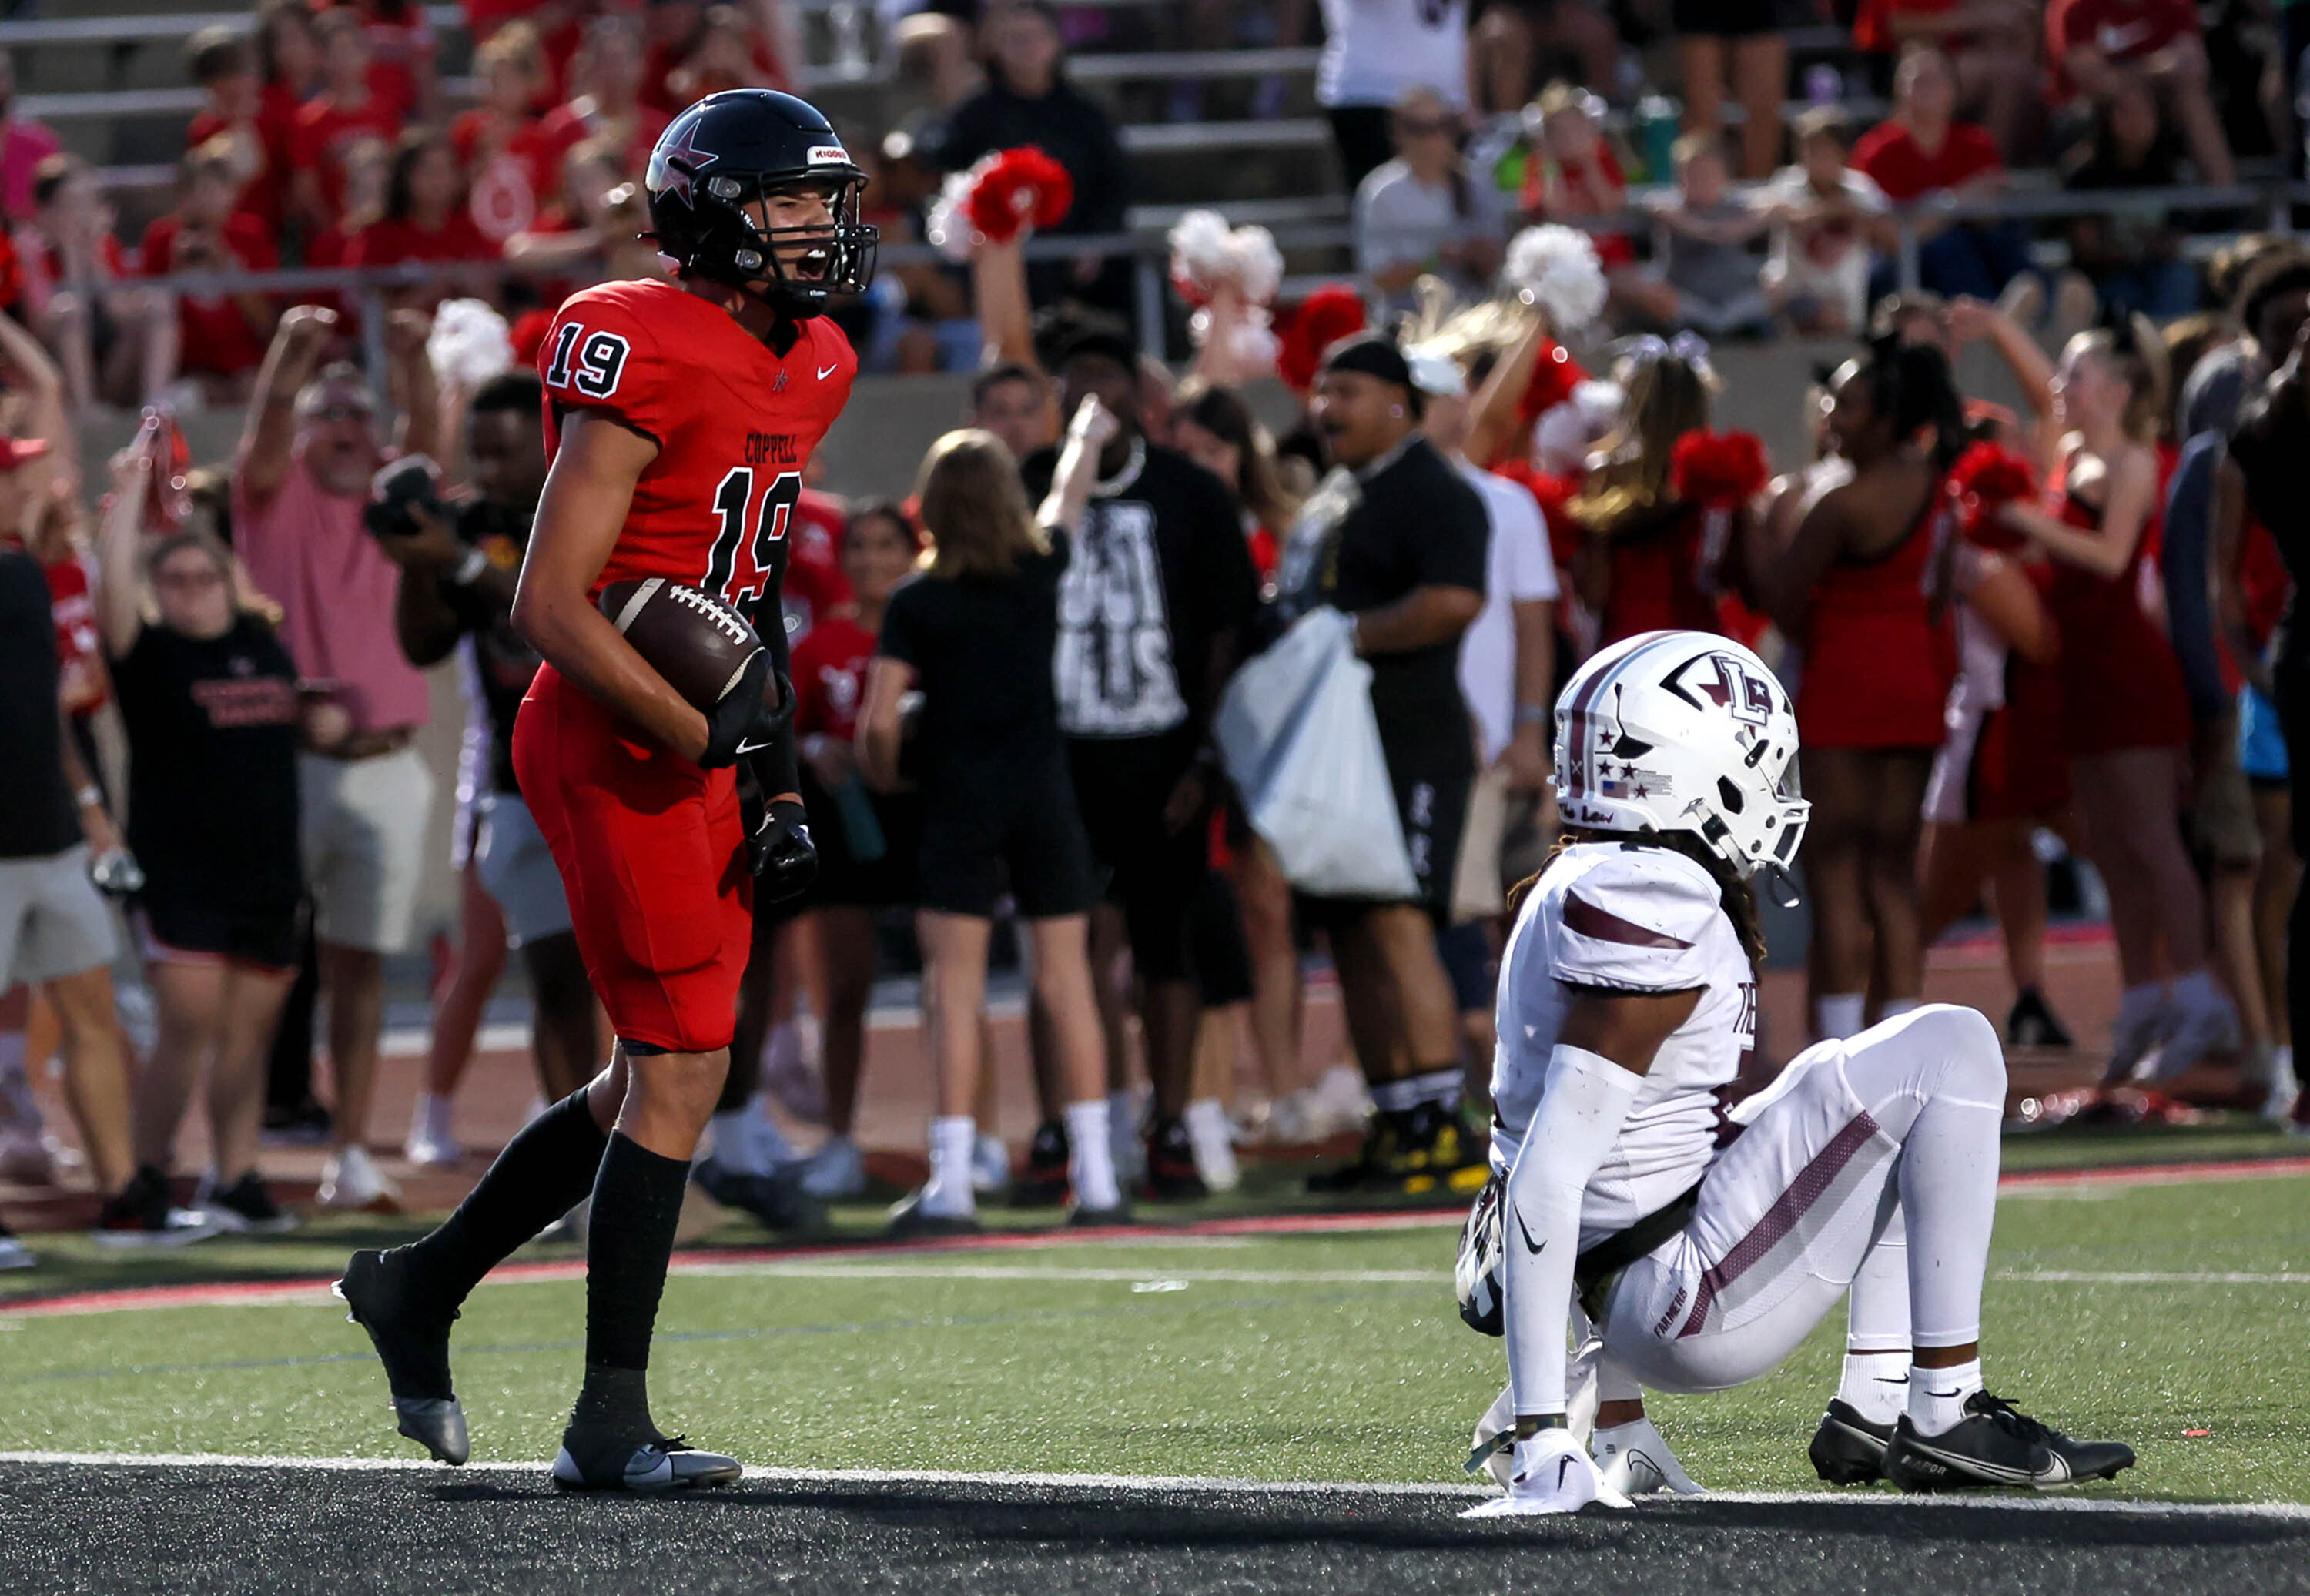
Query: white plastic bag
point(1296, 733)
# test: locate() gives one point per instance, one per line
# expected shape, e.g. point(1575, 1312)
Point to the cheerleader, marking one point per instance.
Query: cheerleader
point(1861, 587)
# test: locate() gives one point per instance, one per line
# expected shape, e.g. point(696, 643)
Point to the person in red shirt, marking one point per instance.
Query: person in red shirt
point(221, 338)
point(1992, 47)
point(425, 220)
point(680, 418)
point(115, 344)
point(695, 50)
point(608, 75)
point(347, 108)
point(866, 840)
point(1921, 149)
point(508, 162)
point(224, 66)
point(2096, 43)
point(401, 55)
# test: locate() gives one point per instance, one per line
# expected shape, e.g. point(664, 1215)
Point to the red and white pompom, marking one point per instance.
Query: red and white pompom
point(1718, 470)
point(1207, 256)
point(1319, 321)
point(1004, 196)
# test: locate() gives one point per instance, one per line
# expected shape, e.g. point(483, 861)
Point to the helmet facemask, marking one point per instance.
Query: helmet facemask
point(751, 256)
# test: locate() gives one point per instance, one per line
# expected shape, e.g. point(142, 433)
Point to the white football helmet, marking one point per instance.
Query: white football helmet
point(1683, 732)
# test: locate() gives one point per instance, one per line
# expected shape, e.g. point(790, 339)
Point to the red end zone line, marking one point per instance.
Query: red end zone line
point(242, 1293)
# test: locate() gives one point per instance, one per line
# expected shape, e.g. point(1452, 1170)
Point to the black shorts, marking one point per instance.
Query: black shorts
point(1122, 786)
point(1432, 776)
point(1467, 955)
point(992, 827)
point(1724, 19)
point(1222, 957)
point(874, 869)
point(186, 931)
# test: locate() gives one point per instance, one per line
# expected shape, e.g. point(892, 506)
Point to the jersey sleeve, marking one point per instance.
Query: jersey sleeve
point(601, 355)
point(1637, 922)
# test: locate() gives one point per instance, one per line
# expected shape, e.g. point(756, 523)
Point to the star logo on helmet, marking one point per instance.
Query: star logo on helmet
point(684, 161)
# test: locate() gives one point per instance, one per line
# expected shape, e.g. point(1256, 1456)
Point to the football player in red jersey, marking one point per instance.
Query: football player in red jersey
point(680, 416)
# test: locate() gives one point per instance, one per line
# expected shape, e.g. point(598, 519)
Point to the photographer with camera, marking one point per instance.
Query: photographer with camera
point(458, 563)
point(309, 450)
point(208, 698)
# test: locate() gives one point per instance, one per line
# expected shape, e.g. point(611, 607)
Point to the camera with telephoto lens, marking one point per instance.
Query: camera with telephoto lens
point(411, 484)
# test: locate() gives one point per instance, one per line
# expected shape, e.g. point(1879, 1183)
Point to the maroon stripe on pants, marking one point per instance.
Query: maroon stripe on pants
point(1780, 1218)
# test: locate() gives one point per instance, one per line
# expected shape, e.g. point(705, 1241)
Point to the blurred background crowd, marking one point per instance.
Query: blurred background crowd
point(1290, 245)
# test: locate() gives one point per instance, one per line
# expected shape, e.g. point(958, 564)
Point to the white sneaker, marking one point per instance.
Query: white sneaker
point(1634, 1460)
point(429, 1141)
point(1214, 1147)
point(349, 1180)
point(1553, 1474)
point(2197, 1019)
point(836, 1169)
point(990, 1164)
point(14, 1254)
point(1342, 1102)
point(789, 1076)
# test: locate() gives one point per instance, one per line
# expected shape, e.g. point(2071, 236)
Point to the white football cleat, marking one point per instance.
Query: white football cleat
point(1554, 1474)
point(1633, 1459)
point(350, 1182)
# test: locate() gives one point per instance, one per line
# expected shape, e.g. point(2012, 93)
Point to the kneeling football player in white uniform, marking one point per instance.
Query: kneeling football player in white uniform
point(1628, 994)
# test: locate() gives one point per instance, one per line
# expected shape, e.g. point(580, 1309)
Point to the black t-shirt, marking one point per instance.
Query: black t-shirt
point(1367, 540)
point(211, 729)
point(1159, 568)
point(981, 652)
point(36, 817)
point(503, 668)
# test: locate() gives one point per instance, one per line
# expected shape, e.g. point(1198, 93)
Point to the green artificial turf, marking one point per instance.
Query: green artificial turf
point(1304, 1357)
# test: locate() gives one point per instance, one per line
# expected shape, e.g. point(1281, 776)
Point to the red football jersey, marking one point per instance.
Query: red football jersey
point(815, 586)
point(829, 677)
point(734, 424)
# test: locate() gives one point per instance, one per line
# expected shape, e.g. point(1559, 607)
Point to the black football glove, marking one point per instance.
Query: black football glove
point(740, 718)
point(780, 853)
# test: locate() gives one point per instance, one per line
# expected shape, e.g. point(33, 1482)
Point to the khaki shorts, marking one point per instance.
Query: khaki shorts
point(517, 870)
point(363, 825)
point(53, 921)
point(1476, 890)
point(2221, 818)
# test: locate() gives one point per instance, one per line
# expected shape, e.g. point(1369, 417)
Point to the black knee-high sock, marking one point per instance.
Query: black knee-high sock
point(637, 1203)
point(542, 1175)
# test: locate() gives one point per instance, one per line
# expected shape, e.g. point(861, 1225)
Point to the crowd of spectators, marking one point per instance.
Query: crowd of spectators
point(1131, 539)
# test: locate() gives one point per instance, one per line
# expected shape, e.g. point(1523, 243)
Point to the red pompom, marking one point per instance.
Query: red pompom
point(1718, 470)
point(527, 336)
point(1554, 375)
point(1018, 188)
point(1312, 327)
point(1986, 476)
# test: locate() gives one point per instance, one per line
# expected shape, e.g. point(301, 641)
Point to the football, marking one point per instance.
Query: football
point(699, 644)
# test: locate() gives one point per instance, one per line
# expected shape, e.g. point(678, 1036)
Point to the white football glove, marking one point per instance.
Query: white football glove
point(1633, 1459)
point(1553, 1474)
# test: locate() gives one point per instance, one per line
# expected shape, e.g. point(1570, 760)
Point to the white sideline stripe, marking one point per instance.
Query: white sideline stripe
point(2091, 1276)
point(1013, 1271)
point(2289, 1511)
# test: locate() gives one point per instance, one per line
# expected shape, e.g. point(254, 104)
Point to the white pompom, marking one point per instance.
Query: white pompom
point(1568, 430)
point(1200, 258)
point(469, 344)
point(1258, 263)
point(1247, 348)
point(948, 229)
point(1555, 267)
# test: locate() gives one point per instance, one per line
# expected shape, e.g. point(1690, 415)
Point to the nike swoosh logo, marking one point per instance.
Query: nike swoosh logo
point(829, 371)
point(1563, 1467)
point(1530, 1245)
point(1893, 1380)
point(752, 748)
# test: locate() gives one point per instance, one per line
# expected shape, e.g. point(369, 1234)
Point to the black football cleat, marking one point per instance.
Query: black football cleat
point(1171, 1173)
point(1043, 1183)
point(1847, 1449)
point(649, 1469)
point(910, 1222)
point(412, 1341)
point(777, 1199)
point(1995, 1444)
point(1092, 1219)
point(1379, 1151)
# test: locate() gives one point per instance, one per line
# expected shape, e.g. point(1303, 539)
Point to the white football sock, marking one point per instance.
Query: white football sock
point(1937, 1396)
point(1395, 1096)
point(949, 1194)
point(1838, 1015)
point(1091, 1161)
point(1875, 1384)
point(1440, 1087)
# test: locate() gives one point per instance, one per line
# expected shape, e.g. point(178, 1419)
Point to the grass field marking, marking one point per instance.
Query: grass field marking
point(799, 1267)
point(2092, 1277)
point(2291, 1512)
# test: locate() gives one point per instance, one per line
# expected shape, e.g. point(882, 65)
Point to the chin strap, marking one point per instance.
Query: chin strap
point(1782, 885)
